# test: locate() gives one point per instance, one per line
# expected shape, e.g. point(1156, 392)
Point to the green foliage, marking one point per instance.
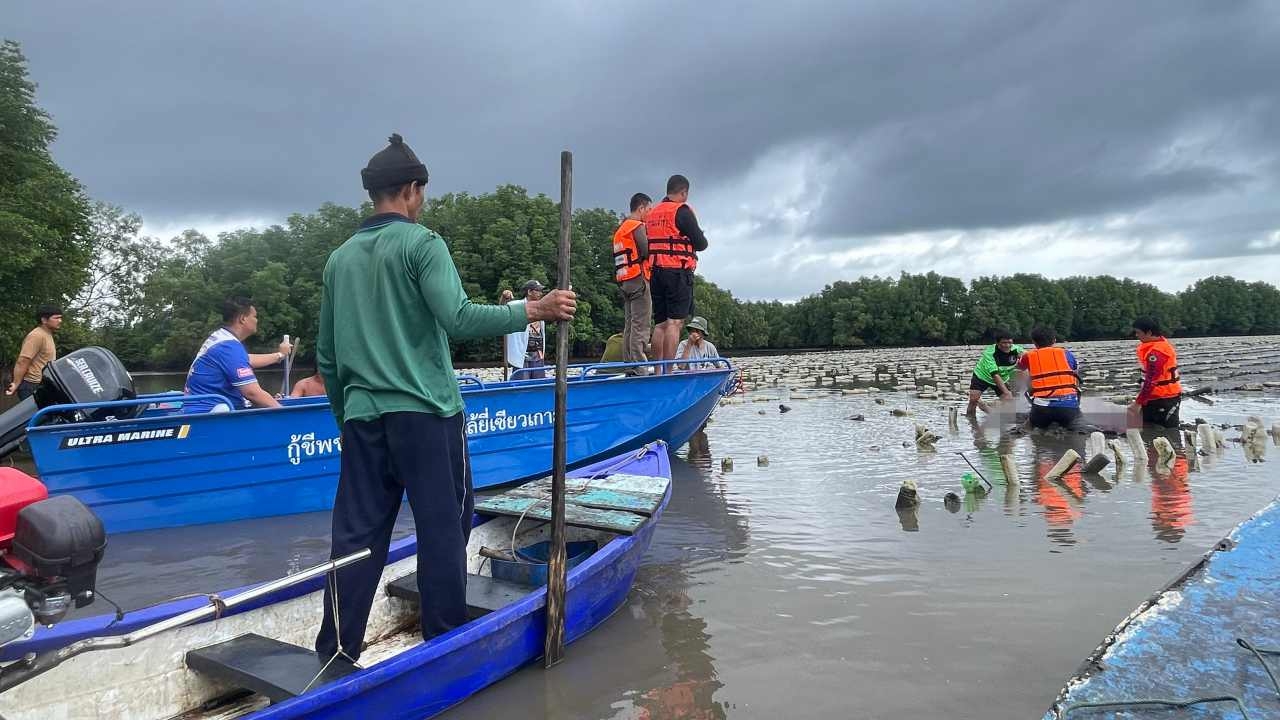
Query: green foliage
point(931, 309)
point(178, 301)
point(1224, 306)
point(167, 299)
point(502, 239)
point(45, 237)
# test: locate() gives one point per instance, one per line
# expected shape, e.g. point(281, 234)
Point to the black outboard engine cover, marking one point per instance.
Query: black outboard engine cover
point(13, 425)
point(61, 538)
point(91, 374)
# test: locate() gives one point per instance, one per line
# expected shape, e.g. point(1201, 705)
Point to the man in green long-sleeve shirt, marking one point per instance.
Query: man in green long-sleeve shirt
point(392, 299)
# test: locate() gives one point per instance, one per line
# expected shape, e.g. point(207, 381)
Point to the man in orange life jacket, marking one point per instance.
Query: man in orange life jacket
point(1161, 394)
point(674, 241)
point(1053, 381)
point(631, 269)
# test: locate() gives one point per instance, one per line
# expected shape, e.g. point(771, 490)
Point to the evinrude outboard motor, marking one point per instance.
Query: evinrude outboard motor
point(49, 554)
point(91, 374)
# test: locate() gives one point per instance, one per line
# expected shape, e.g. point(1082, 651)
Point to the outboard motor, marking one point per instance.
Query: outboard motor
point(91, 374)
point(49, 554)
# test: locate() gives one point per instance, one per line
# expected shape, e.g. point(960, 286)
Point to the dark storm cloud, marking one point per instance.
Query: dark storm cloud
point(927, 115)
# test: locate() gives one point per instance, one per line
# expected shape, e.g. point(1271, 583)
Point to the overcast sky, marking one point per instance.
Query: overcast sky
point(823, 140)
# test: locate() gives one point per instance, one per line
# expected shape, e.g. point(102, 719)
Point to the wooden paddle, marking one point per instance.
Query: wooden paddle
point(553, 647)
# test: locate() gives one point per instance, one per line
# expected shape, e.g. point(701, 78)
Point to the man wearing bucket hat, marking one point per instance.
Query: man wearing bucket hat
point(696, 346)
point(391, 301)
point(526, 348)
point(535, 351)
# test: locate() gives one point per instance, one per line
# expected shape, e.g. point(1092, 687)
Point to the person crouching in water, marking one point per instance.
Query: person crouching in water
point(1157, 403)
point(1053, 381)
point(994, 371)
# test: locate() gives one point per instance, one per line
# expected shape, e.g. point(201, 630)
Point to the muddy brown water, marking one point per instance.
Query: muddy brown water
point(794, 589)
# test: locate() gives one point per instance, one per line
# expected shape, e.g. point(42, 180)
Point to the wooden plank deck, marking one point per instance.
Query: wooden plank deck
point(593, 495)
point(617, 503)
point(618, 521)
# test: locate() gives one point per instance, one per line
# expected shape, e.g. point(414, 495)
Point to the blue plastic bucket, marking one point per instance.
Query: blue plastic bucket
point(531, 568)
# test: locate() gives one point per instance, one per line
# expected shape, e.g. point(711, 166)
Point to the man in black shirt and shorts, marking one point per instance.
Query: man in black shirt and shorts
point(675, 239)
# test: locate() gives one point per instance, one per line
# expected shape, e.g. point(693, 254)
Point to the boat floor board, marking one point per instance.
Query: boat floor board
point(593, 496)
point(277, 670)
point(576, 515)
point(484, 594)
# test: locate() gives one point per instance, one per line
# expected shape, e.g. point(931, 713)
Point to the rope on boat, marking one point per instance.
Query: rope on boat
point(1258, 653)
point(516, 528)
point(1187, 702)
point(332, 580)
point(219, 605)
point(119, 611)
point(1160, 702)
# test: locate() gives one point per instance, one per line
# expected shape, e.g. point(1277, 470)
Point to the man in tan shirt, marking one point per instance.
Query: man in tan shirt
point(37, 351)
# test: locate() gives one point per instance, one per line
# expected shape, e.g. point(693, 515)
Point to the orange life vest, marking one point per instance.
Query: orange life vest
point(627, 264)
point(1051, 374)
point(668, 249)
point(1170, 385)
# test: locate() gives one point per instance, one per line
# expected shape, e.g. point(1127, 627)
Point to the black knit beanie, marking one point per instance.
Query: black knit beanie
point(393, 166)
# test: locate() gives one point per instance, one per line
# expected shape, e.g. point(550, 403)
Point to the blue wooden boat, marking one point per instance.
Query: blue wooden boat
point(166, 469)
point(1206, 644)
point(207, 670)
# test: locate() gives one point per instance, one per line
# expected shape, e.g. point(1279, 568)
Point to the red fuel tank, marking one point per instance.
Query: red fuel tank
point(17, 490)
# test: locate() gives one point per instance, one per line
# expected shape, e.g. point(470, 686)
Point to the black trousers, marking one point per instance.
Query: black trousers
point(1162, 412)
point(425, 456)
point(1043, 416)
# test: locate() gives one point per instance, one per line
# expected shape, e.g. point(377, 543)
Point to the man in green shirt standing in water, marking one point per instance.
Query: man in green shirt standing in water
point(994, 371)
point(392, 299)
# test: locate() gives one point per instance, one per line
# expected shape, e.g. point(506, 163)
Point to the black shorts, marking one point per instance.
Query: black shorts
point(672, 292)
point(977, 383)
point(1162, 412)
point(1043, 416)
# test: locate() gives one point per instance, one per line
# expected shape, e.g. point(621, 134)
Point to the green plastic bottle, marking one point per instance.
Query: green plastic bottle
point(970, 483)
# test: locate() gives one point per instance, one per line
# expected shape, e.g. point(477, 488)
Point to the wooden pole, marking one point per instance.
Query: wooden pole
point(553, 647)
point(1137, 444)
point(1069, 458)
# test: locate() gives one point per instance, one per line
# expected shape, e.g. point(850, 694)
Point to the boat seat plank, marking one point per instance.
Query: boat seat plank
point(484, 594)
point(593, 497)
point(274, 669)
point(575, 515)
point(639, 484)
point(622, 482)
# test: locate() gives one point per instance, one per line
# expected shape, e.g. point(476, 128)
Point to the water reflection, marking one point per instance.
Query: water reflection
point(700, 503)
point(1171, 511)
point(909, 519)
point(1061, 499)
point(685, 638)
point(653, 659)
point(699, 447)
